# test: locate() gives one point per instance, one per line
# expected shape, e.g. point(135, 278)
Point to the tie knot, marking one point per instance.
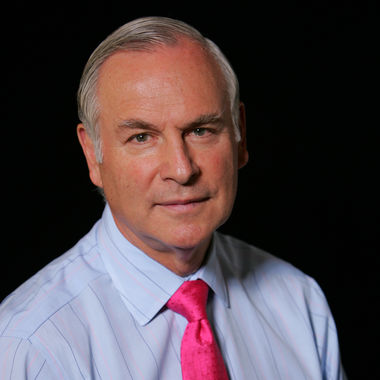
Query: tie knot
point(190, 300)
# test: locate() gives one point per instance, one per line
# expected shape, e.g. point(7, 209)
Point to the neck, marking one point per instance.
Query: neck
point(182, 261)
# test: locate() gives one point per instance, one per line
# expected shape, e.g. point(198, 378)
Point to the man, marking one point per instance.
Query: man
point(163, 133)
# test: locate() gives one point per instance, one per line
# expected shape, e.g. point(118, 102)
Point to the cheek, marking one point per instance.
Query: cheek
point(134, 175)
point(222, 166)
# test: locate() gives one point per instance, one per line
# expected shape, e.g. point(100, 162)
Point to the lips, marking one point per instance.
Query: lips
point(182, 201)
point(183, 204)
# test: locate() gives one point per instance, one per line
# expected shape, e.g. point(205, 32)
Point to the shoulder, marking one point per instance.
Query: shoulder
point(277, 294)
point(35, 301)
point(244, 258)
point(269, 278)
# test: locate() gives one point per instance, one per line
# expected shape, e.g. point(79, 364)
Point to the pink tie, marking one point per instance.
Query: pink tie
point(200, 355)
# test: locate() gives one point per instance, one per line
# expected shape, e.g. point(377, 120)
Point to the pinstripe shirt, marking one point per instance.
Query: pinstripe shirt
point(98, 312)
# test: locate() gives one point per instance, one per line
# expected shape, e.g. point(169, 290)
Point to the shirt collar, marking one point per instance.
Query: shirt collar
point(144, 284)
point(211, 271)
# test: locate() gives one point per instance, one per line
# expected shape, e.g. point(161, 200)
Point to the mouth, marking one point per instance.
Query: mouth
point(183, 205)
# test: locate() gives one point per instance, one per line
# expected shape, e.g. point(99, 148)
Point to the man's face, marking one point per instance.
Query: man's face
point(170, 156)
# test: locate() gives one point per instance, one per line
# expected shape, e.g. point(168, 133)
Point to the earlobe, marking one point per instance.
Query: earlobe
point(242, 147)
point(89, 152)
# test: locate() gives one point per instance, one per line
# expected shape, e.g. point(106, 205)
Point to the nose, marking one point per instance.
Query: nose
point(178, 165)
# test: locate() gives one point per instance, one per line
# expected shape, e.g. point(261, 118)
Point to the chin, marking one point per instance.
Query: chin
point(189, 238)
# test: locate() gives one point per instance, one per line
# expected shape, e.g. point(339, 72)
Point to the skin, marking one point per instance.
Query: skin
point(170, 156)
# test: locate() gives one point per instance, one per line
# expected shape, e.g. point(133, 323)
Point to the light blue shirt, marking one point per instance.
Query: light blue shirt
point(98, 312)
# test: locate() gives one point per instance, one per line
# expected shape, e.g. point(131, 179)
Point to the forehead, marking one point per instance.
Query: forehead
point(180, 77)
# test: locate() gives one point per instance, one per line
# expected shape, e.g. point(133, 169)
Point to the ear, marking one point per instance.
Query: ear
point(242, 147)
point(89, 152)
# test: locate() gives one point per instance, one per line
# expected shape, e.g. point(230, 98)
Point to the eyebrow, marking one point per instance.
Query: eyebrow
point(210, 118)
point(136, 124)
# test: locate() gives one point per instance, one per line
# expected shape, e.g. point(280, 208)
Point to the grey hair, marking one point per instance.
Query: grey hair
point(145, 34)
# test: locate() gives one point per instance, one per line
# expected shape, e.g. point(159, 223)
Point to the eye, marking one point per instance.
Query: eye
point(140, 138)
point(200, 131)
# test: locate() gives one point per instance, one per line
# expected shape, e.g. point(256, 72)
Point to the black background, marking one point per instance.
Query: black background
point(309, 194)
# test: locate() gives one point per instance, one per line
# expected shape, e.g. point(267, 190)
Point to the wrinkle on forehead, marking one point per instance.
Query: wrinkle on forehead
point(170, 79)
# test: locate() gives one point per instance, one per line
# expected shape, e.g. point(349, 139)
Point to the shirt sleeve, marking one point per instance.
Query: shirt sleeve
point(20, 360)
